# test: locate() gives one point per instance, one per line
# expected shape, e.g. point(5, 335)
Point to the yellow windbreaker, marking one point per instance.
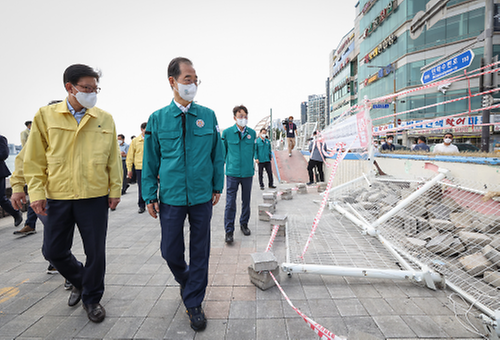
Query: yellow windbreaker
point(17, 178)
point(65, 160)
point(135, 152)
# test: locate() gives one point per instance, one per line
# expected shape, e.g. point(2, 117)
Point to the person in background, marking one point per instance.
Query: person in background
point(446, 146)
point(134, 158)
point(388, 146)
point(291, 130)
point(183, 176)
point(25, 134)
point(4, 173)
point(132, 180)
point(263, 156)
point(421, 145)
point(72, 166)
point(317, 148)
point(239, 146)
point(123, 152)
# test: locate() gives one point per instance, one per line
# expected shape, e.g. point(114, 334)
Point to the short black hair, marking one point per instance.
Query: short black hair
point(143, 126)
point(27, 123)
point(422, 138)
point(121, 136)
point(174, 68)
point(263, 129)
point(448, 133)
point(238, 108)
point(390, 136)
point(132, 137)
point(74, 72)
point(55, 101)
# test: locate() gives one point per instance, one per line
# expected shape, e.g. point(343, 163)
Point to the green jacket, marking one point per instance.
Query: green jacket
point(239, 151)
point(263, 150)
point(190, 166)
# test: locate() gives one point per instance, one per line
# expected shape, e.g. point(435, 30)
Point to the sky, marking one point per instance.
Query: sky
point(264, 54)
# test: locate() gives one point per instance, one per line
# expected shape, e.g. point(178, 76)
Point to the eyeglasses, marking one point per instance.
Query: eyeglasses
point(190, 81)
point(90, 89)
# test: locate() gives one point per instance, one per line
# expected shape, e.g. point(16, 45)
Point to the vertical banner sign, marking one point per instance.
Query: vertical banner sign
point(362, 125)
point(354, 130)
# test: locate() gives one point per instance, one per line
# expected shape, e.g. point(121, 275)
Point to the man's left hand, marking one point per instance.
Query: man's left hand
point(215, 199)
point(113, 202)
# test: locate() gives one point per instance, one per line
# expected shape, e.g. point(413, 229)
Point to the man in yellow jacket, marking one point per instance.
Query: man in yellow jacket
point(73, 170)
point(134, 157)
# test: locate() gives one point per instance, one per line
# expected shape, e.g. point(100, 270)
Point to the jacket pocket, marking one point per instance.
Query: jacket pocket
point(170, 142)
point(58, 175)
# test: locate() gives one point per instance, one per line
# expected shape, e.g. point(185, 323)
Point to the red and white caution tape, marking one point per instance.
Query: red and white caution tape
point(340, 157)
point(322, 332)
point(273, 236)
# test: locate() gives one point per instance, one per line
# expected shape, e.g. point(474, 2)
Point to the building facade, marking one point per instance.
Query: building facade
point(316, 110)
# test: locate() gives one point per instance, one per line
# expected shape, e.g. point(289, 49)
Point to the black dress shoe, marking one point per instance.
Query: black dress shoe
point(74, 297)
point(95, 312)
point(245, 230)
point(229, 237)
point(272, 187)
point(141, 210)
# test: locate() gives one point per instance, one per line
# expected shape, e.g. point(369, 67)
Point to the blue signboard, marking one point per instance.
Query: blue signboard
point(380, 106)
point(448, 67)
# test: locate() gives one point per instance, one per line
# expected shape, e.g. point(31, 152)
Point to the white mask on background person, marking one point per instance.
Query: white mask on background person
point(263, 135)
point(187, 92)
point(389, 141)
point(87, 100)
point(241, 122)
point(447, 140)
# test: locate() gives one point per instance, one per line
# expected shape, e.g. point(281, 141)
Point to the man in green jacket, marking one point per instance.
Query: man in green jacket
point(239, 144)
point(183, 175)
point(263, 156)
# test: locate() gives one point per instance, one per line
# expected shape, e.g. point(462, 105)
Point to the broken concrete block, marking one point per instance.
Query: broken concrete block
point(495, 242)
point(415, 242)
point(442, 225)
point(281, 221)
point(446, 245)
point(348, 199)
point(492, 255)
point(287, 194)
point(471, 238)
point(493, 278)
point(475, 264)
point(410, 225)
point(452, 204)
point(390, 200)
point(440, 212)
point(264, 261)
point(269, 198)
point(422, 224)
point(490, 227)
point(301, 188)
point(263, 209)
point(384, 210)
point(428, 234)
point(263, 280)
point(321, 186)
point(376, 197)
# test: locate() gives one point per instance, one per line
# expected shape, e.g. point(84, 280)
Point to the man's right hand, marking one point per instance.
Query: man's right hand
point(18, 199)
point(39, 207)
point(153, 209)
point(129, 174)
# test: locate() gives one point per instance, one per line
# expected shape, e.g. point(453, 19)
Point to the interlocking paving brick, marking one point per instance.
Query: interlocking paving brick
point(393, 326)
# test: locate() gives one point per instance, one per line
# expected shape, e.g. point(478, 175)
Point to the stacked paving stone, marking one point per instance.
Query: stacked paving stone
point(434, 223)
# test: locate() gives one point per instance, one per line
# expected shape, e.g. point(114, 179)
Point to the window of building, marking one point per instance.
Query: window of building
point(476, 21)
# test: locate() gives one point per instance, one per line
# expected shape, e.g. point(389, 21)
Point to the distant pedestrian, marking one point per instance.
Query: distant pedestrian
point(73, 169)
point(132, 180)
point(4, 173)
point(239, 146)
point(263, 157)
point(183, 152)
point(25, 134)
point(134, 159)
point(123, 152)
point(318, 150)
point(388, 146)
point(421, 145)
point(446, 146)
point(291, 130)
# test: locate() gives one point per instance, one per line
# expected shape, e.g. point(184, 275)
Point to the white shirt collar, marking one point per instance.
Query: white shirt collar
point(184, 109)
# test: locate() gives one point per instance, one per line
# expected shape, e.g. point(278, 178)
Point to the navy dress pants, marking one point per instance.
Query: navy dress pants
point(232, 184)
point(4, 201)
point(269, 171)
point(91, 217)
point(193, 277)
point(140, 201)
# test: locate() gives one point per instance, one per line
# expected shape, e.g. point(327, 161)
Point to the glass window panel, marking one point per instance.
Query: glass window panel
point(476, 21)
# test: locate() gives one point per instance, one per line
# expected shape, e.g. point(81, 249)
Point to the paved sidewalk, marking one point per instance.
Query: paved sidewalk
point(142, 299)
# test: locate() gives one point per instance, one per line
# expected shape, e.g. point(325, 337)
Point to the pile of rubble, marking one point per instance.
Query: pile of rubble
point(434, 225)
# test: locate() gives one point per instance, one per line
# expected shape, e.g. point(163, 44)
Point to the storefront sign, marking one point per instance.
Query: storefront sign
point(343, 45)
point(380, 48)
point(380, 74)
point(381, 18)
point(341, 85)
point(369, 4)
point(457, 124)
point(340, 67)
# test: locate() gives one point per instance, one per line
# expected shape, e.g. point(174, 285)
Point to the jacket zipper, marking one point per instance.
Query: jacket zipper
point(185, 158)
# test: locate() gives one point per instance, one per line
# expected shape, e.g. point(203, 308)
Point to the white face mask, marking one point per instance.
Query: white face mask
point(447, 140)
point(263, 135)
point(87, 100)
point(241, 122)
point(187, 92)
point(389, 141)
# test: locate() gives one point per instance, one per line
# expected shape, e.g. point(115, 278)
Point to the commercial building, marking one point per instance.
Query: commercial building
point(316, 110)
point(394, 56)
